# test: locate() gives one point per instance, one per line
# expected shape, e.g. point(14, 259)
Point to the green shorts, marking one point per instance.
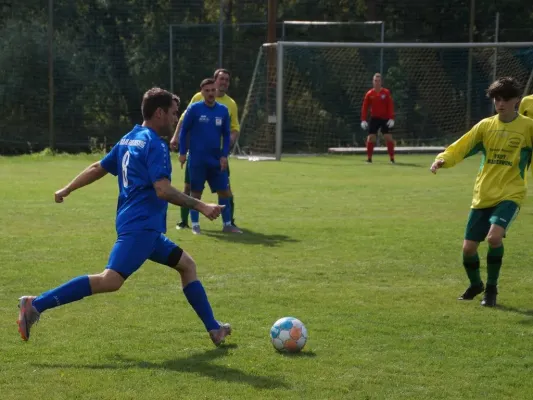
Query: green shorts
point(187, 178)
point(480, 219)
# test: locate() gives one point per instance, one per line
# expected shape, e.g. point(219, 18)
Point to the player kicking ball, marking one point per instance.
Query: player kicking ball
point(141, 161)
point(506, 142)
point(205, 125)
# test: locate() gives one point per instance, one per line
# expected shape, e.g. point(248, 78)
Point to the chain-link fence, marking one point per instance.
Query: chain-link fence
point(85, 89)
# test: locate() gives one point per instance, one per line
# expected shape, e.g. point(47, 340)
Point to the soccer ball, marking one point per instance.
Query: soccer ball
point(288, 334)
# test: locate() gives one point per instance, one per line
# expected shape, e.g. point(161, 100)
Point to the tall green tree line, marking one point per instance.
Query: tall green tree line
point(107, 53)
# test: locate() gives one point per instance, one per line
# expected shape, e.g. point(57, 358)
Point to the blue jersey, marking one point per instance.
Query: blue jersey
point(139, 159)
point(206, 127)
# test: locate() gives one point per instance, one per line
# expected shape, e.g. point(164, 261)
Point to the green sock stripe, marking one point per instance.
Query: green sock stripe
point(474, 258)
point(494, 264)
point(471, 264)
point(495, 251)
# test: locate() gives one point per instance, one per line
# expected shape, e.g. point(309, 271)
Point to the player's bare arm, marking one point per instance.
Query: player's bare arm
point(234, 136)
point(175, 138)
point(223, 163)
point(89, 175)
point(169, 193)
point(183, 159)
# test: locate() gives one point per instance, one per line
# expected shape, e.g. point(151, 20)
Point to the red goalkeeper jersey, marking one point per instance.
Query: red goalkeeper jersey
point(380, 103)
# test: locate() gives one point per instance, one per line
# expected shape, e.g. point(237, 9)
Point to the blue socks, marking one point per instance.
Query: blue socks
point(226, 212)
point(74, 290)
point(80, 287)
point(197, 298)
point(195, 217)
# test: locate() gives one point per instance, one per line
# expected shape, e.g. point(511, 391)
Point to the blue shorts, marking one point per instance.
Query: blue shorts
point(132, 249)
point(215, 177)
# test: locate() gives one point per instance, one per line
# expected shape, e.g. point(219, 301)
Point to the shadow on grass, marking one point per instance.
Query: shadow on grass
point(333, 163)
point(250, 237)
point(302, 354)
point(356, 160)
point(198, 364)
point(406, 164)
point(526, 313)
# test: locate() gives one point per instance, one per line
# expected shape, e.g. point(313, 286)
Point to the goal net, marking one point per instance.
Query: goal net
point(306, 97)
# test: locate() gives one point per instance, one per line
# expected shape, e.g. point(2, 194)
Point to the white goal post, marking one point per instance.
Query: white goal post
point(307, 96)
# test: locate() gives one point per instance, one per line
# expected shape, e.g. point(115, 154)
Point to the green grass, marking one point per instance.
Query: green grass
point(367, 256)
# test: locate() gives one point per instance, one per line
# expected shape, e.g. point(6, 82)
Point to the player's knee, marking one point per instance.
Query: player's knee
point(224, 194)
point(107, 281)
point(494, 239)
point(187, 189)
point(371, 138)
point(186, 264)
point(470, 247)
point(196, 195)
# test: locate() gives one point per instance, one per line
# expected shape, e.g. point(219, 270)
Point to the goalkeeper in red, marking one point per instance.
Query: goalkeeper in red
point(379, 100)
point(505, 141)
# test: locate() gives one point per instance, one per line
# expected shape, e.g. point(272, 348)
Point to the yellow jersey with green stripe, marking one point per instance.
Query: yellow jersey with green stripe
point(526, 106)
point(506, 156)
point(228, 102)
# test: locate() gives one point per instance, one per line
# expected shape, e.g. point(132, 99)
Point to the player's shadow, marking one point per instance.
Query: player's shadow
point(319, 165)
point(407, 164)
point(198, 364)
point(526, 313)
point(250, 237)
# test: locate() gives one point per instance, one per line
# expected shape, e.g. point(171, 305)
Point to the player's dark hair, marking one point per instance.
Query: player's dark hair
point(221, 71)
point(157, 98)
point(207, 81)
point(506, 88)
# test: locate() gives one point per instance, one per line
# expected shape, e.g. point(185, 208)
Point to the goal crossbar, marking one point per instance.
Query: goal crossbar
point(332, 23)
point(392, 45)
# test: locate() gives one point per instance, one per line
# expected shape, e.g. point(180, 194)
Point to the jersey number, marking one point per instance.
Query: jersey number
point(125, 162)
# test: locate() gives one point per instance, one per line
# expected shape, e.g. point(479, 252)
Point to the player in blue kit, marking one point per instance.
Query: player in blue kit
point(206, 124)
point(141, 161)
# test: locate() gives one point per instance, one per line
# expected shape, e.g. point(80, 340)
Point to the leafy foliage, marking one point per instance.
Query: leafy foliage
point(107, 53)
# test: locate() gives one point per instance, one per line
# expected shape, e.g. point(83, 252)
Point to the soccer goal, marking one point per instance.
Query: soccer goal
point(306, 97)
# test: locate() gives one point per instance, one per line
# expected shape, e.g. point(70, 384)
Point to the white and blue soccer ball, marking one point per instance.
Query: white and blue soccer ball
point(288, 335)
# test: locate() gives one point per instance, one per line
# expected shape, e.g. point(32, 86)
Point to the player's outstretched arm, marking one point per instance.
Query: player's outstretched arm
point(89, 175)
point(467, 145)
point(437, 164)
point(169, 193)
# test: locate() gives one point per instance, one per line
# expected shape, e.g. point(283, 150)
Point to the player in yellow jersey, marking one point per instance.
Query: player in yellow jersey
point(505, 141)
point(222, 81)
point(526, 106)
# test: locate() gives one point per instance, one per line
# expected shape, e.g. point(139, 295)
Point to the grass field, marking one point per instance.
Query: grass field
point(367, 256)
